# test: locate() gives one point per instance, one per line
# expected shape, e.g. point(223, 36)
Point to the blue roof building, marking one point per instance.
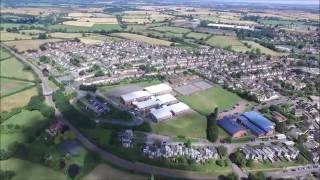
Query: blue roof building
point(253, 128)
point(260, 121)
point(229, 124)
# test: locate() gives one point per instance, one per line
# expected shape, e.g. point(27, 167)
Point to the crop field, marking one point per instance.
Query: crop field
point(4, 54)
point(29, 171)
point(141, 38)
point(263, 49)
point(17, 25)
point(60, 35)
point(95, 27)
point(30, 10)
point(104, 170)
point(280, 22)
point(197, 35)
point(225, 41)
point(89, 22)
point(9, 86)
point(25, 119)
point(32, 31)
point(17, 100)
point(188, 125)
point(141, 17)
point(177, 30)
point(24, 45)
point(12, 67)
point(8, 36)
point(204, 102)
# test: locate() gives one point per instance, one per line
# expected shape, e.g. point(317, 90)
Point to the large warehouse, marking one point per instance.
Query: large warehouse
point(179, 108)
point(146, 105)
point(166, 99)
point(229, 124)
point(135, 96)
point(257, 124)
point(158, 89)
point(161, 113)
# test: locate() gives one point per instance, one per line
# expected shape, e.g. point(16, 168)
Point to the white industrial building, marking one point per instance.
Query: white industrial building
point(179, 108)
point(161, 114)
point(135, 96)
point(158, 89)
point(166, 99)
point(146, 105)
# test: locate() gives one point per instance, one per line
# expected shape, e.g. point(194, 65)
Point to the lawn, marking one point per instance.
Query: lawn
point(263, 49)
point(30, 171)
point(225, 41)
point(17, 100)
point(4, 54)
point(25, 119)
point(8, 86)
point(188, 125)
point(204, 102)
point(104, 170)
point(8, 36)
point(197, 35)
point(24, 45)
point(61, 35)
point(12, 67)
point(177, 30)
point(141, 38)
point(143, 83)
point(96, 27)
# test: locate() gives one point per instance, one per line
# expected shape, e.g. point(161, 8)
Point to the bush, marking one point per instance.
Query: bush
point(238, 158)
point(222, 151)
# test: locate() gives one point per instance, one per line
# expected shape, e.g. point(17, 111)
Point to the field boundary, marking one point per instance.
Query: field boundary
point(18, 79)
point(18, 91)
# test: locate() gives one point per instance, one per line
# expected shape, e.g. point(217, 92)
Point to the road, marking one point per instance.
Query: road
point(292, 172)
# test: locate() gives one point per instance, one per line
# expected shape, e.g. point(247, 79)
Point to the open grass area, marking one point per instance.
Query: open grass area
point(4, 54)
point(197, 35)
point(178, 30)
point(188, 125)
point(263, 49)
point(225, 41)
point(9, 86)
point(143, 83)
point(24, 45)
point(25, 119)
point(12, 67)
point(96, 27)
point(61, 35)
point(204, 102)
point(30, 171)
point(141, 38)
point(8, 36)
point(104, 170)
point(17, 25)
point(17, 100)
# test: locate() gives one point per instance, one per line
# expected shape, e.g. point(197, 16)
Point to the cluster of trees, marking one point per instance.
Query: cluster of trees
point(69, 112)
point(37, 103)
point(263, 33)
point(212, 126)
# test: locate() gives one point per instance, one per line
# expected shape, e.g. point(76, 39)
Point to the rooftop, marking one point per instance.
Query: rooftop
point(155, 89)
point(135, 95)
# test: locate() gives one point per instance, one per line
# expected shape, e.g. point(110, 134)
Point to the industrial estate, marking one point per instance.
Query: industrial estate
point(159, 90)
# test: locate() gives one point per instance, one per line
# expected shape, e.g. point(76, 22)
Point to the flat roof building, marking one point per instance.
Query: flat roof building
point(179, 108)
point(158, 89)
point(135, 96)
point(229, 124)
point(146, 105)
point(161, 114)
point(166, 99)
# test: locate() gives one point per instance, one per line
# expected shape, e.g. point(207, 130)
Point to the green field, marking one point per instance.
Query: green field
point(27, 170)
point(23, 45)
point(204, 102)
point(197, 35)
point(225, 41)
point(104, 170)
point(143, 83)
point(12, 67)
point(4, 54)
point(61, 35)
point(177, 30)
point(24, 120)
point(9, 86)
point(141, 38)
point(263, 49)
point(281, 22)
point(96, 27)
point(17, 25)
point(188, 125)
point(17, 100)
point(8, 36)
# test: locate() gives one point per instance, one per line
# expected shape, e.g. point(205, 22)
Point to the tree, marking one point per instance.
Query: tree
point(212, 126)
point(249, 163)
point(42, 36)
point(258, 176)
point(188, 143)
point(219, 162)
point(231, 176)
point(238, 158)
point(281, 127)
point(222, 151)
point(44, 59)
